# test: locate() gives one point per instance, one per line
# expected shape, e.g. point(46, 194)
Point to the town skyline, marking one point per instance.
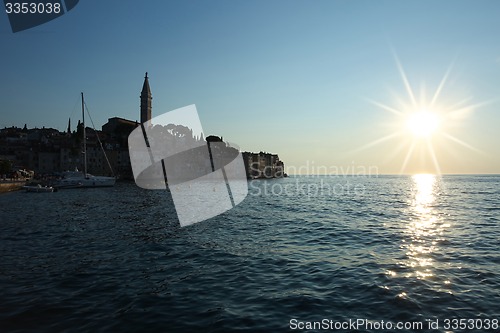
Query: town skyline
point(316, 83)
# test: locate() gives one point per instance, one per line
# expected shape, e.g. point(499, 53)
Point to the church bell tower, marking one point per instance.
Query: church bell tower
point(146, 101)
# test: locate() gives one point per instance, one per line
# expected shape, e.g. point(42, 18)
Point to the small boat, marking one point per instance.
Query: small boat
point(39, 188)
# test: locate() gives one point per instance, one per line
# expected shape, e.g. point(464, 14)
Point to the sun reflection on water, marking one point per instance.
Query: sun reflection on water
point(424, 228)
point(423, 233)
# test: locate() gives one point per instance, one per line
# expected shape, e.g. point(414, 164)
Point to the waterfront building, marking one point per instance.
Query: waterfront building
point(263, 165)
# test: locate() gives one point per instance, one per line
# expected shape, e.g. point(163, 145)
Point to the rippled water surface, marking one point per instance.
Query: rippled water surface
point(392, 248)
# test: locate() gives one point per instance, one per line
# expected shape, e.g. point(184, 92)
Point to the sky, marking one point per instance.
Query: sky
point(324, 84)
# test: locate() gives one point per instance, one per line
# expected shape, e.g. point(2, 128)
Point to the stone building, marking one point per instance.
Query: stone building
point(263, 165)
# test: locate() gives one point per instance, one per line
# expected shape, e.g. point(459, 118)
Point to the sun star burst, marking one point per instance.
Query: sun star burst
point(422, 123)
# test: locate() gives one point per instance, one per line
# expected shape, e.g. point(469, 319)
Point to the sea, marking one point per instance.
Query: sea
point(300, 254)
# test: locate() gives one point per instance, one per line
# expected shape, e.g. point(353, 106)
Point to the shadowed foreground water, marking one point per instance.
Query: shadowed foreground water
point(390, 248)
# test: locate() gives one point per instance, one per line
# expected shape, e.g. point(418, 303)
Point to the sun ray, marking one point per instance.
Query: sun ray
point(406, 82)
point(465, 144)
point(391, 154)
point(464, 111)
point(457, 105)
point(376, 142)
point(441, 85)
point(430, 148)
point(407, 157)
point(387, 108)
point(423, 94)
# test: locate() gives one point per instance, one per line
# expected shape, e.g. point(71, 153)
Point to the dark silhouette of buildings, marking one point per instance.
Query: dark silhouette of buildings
point(263, 165)
point(48, 151)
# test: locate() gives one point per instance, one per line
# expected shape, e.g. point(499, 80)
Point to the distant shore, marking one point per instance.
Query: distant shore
point(11, 185)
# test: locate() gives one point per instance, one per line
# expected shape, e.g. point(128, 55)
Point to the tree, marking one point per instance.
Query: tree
point(5, 166)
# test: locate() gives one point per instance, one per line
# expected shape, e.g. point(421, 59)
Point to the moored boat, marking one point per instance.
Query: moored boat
point(39, 188)
point(78, 179)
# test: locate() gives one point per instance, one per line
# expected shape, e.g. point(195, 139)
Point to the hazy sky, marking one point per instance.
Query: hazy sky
point(305, 79)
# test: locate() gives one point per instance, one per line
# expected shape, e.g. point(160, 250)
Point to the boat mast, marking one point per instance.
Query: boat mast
point(84, 141)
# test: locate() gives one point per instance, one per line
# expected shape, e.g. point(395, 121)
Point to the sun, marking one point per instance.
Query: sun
point(423, 123)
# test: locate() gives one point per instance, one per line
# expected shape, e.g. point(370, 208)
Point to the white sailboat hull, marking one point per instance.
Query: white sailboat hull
point(78, 180)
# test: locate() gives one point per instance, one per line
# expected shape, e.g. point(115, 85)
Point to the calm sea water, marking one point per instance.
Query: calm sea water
point(391, 248)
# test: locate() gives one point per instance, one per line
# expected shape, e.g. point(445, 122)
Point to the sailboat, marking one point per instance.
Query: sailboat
point(78, 179)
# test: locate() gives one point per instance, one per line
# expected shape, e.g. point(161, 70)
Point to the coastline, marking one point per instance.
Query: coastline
point(11, 185)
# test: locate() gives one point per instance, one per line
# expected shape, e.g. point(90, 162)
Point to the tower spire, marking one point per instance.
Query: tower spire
point(146, 101)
